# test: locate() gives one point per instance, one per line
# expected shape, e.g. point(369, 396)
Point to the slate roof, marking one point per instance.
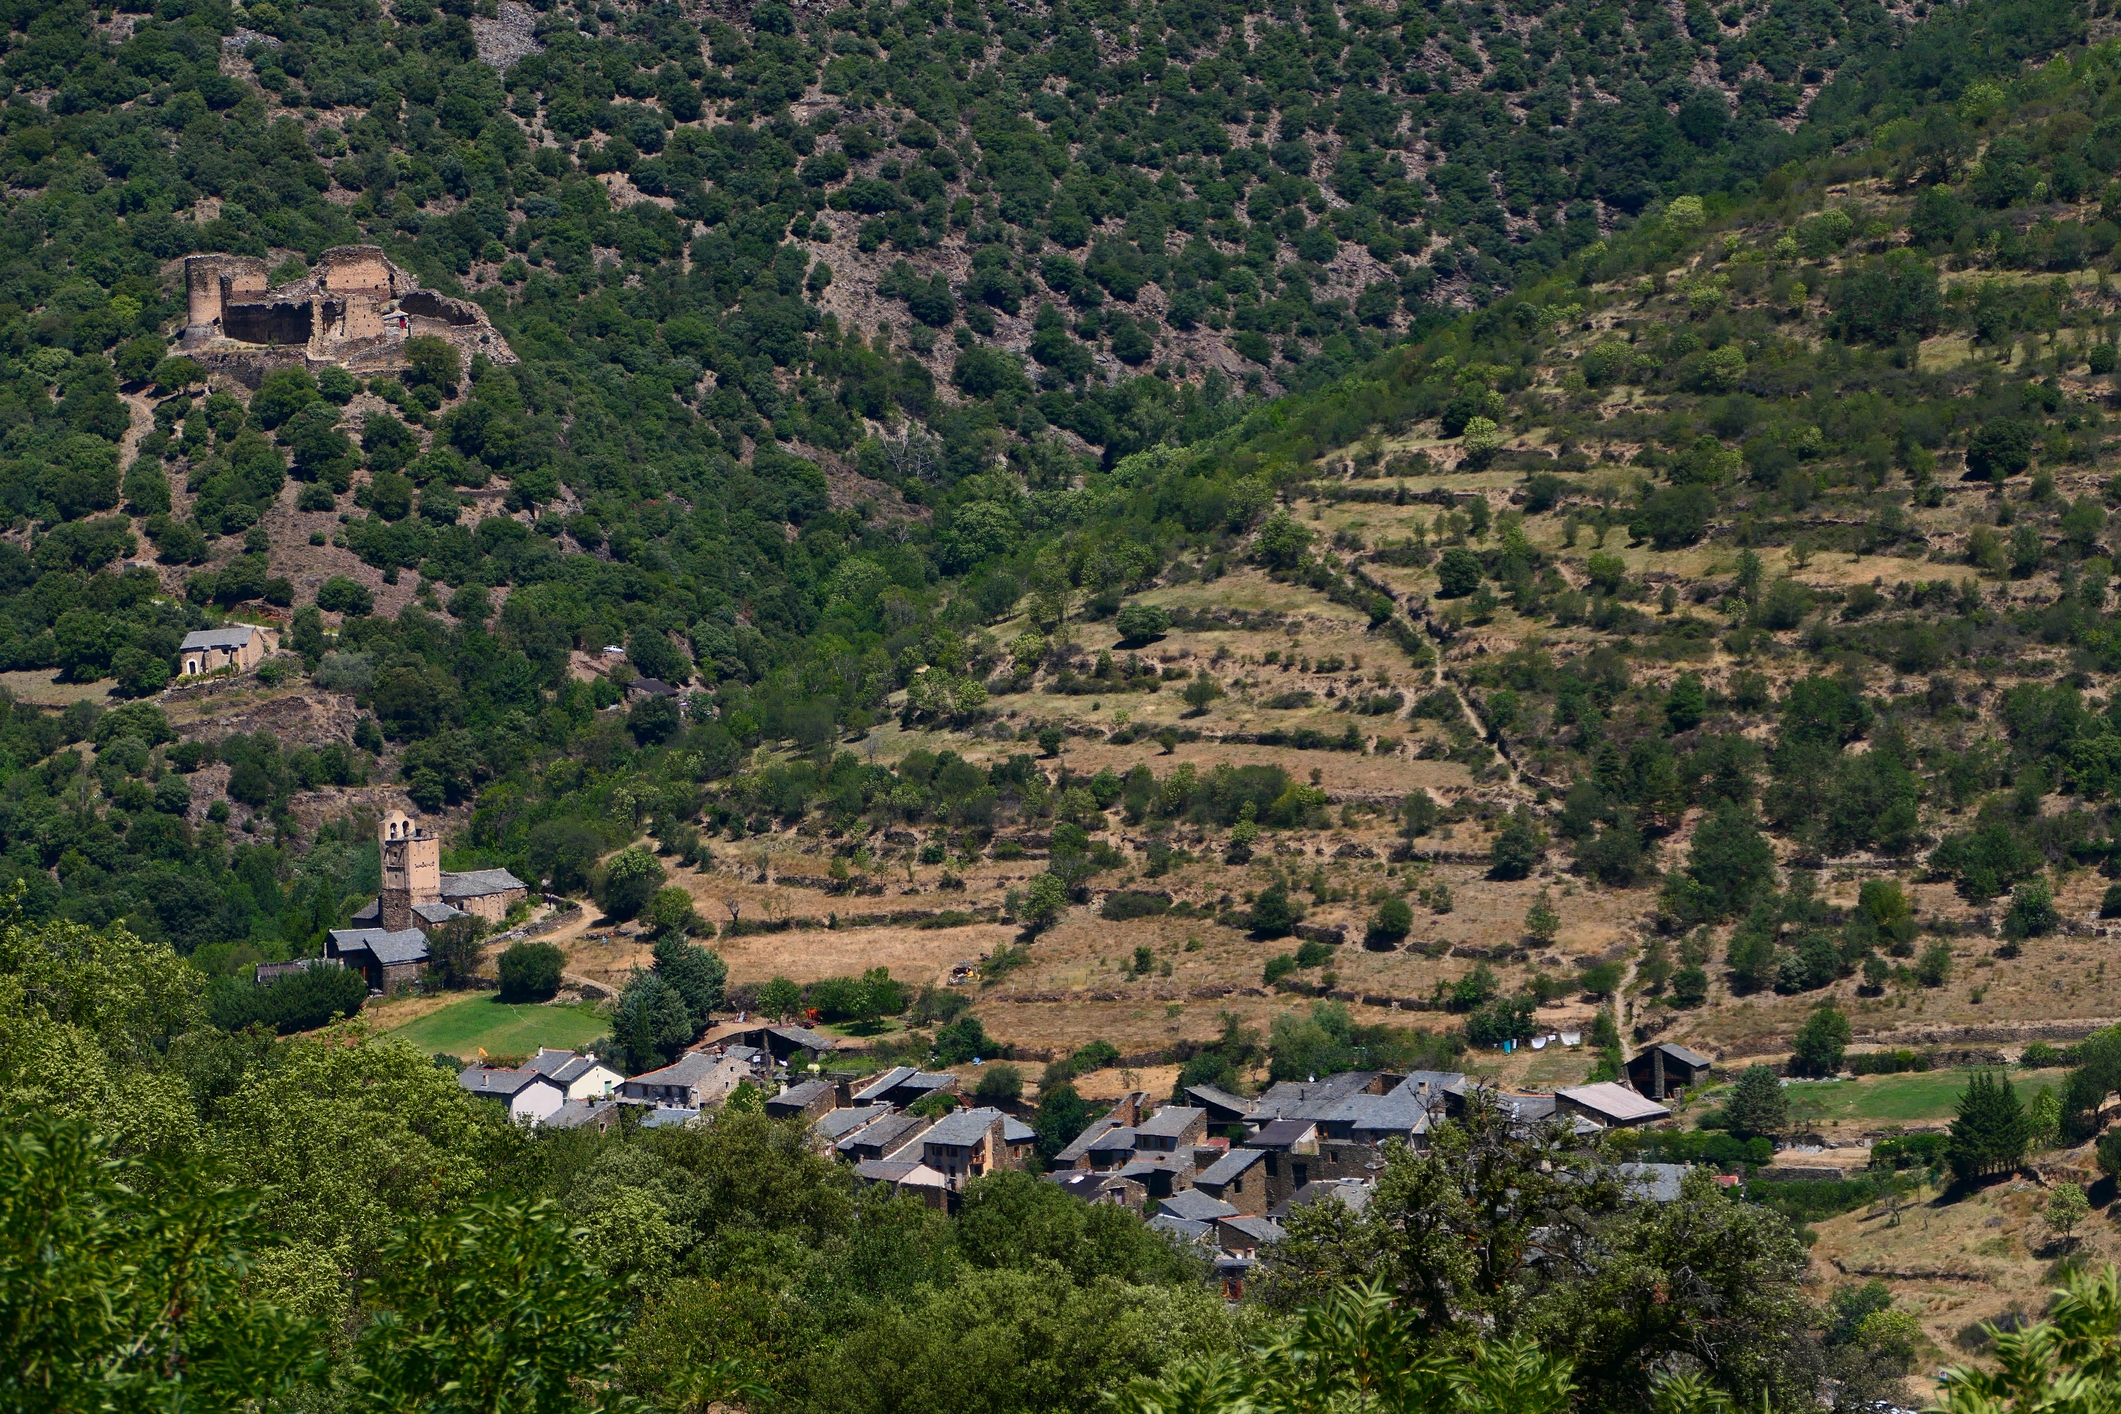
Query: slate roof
point(1141, 1167)
point(1355, 1195)
point(1261, 1230)
point(1432, 1083)
point(888, 1132)
point(1170, 1122)
point(808, 1040)
point(1281, 1133)
point(1296, 1099)
point(904, 1075)
point(1119, 1137)
point(797, 1097)
point(563, 1066)
point(1183, 1228)
point(390, 949)
point(1229, 1166)
point(477, 883)
point(966, 1127)
point(1214, 1097)
point(899, 1171)
point(1079, 1183)
point(234, 636)
point(1526, 1109)
point(1681, 1054)
point(437, 912)
point(670, 1117)
point(576, 1114)
point(688, 1069)
point(1195, 1205)
point(371, 912)
point(1655, 1183)
point(837, 1124)
point(497, 1083)
point(1015, 1131)
point(1361, 1115)
point(1085, 1141)
point(654, 687)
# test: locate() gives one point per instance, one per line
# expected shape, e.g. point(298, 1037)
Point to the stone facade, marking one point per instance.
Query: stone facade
point(241, 646)
point(417, 893)
point(355, 309)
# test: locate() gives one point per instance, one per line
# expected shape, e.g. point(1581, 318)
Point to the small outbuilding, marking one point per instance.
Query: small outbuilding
point(1665, 1068)
point(1614, 1106)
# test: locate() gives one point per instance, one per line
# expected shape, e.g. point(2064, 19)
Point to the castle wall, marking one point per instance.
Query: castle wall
point(429, 305)
point(207, 279)
point(354, 310)
point(281, 322)
point(354, 269)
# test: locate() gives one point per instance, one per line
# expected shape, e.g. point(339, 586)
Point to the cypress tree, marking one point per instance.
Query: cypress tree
point(1989, 1136)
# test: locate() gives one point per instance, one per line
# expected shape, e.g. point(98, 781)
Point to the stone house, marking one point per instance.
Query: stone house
point(238, 646)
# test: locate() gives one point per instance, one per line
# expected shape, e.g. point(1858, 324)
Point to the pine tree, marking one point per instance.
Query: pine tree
point(1990, 1134)
point(1757, 1105)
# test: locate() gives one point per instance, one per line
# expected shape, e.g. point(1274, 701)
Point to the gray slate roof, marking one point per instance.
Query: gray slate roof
point(797, 1097)
point(1195, 1205)
point(477, 883)
point(1355, 1195)
point(1281, 1133)
point(906, 1076)
point(436, 912)
point(390, 949)
point(965, 1127)
point(1170, 1122)
point(1361, 1115)
point(577, 1113)
point(670, 1117)
point(1185, 1229)
point(1680, 1053)
point(1295, 1099)
point(888, 1132)
point(234, 636)
point(1260, 1230)
point(1089, 1138)
point(499, 1084)
point(563, 1066)
point(688, 1069)
point(1229, 1166)
point(837, 1124)
point(1142, 1167)
point(1079, 1183)
point(1215, 1097)
point(1654, 1183)
point(1433, 1083)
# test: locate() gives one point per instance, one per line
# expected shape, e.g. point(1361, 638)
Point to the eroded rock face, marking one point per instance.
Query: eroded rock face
point(355, 309)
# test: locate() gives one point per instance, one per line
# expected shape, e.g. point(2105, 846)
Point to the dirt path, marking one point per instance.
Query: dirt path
point(141, 407)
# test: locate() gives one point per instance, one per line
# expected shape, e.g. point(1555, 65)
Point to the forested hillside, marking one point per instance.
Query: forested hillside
point(1592, 511)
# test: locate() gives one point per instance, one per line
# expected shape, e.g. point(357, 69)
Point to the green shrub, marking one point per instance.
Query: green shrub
point(530, 972)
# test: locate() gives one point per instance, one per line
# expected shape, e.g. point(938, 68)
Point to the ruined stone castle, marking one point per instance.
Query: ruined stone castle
point(355, 309)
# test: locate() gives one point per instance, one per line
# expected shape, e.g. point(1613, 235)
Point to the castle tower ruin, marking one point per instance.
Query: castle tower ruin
point(211, 284)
